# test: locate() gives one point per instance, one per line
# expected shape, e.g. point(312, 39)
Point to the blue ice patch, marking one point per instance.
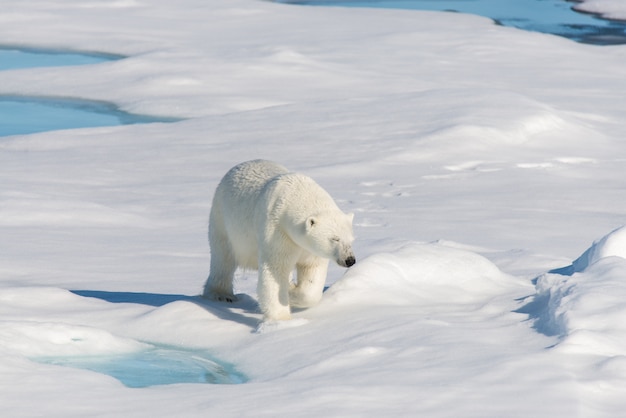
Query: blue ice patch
point(158, 366)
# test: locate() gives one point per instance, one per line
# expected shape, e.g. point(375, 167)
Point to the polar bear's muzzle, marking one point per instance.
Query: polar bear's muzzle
point(348, 261)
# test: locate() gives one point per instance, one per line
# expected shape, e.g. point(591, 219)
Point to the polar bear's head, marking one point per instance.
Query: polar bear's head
point(329, 235)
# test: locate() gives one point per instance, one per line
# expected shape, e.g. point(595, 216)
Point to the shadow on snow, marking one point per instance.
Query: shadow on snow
point(247, 305)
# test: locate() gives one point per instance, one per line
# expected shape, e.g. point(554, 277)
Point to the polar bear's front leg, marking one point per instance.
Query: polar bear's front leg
point(310, 286)
point(273, 291)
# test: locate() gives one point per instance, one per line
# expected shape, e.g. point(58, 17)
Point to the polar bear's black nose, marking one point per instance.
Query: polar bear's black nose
point(350, 261)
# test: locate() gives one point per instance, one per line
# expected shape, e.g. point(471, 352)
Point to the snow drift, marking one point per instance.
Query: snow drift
point(419, 275)
point(585, 303)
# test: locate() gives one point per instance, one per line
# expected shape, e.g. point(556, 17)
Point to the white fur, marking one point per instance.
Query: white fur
point(264, 217)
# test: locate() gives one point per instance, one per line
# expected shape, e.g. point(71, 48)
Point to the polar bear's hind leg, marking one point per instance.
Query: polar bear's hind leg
point(219, 285)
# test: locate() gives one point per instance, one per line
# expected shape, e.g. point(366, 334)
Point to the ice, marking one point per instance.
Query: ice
point(12, 58)
point(419, 274)
point(478, 160)
point(612, 244)
point(584, 306)
point(271, 326)
point(39, 339)
point(153, 366)
point(609, 9)
point(581, 300)
point(555, 17)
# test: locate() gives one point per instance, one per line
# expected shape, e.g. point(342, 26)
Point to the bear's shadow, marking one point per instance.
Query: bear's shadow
point(222, 310)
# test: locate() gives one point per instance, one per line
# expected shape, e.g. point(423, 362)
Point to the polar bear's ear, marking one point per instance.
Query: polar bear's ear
point(310, 223)
point(351, 216)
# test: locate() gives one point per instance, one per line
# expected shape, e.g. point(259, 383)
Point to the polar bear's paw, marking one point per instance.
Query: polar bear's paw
point(221, 297)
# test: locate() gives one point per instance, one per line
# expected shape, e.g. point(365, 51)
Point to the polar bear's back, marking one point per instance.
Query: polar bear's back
point(248, 179)
point(239, 191)
point(234, 207)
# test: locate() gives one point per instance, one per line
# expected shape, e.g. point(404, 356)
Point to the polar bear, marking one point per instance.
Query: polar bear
point(266, 218)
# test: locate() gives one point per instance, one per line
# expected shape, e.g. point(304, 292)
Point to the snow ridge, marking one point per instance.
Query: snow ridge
point(584, 303)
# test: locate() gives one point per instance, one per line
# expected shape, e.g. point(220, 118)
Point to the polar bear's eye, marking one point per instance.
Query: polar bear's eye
point(335, 239)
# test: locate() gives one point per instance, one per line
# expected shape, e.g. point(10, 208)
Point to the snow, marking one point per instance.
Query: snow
point(480, 161)
point(608, 9)
point(585, 309)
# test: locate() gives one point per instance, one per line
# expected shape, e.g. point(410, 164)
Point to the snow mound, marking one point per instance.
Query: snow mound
point(585, 303)
point(424, 274)
point(481, 114)
point(52, 339)
point(608, 9)
point(611, 245)
point(587, 309)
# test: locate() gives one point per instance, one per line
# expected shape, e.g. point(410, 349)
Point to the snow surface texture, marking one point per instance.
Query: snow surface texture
point(608, 9)
point(505, 147)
